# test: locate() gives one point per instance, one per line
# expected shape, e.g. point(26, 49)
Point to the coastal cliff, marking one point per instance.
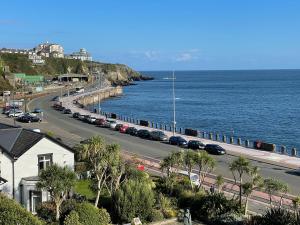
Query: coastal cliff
point(117, 74)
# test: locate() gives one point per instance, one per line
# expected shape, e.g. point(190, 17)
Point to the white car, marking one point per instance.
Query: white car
point(112, 123)
point(15, 113)
point(91, 119)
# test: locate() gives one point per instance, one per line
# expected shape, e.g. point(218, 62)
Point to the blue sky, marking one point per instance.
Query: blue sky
point(162, 34)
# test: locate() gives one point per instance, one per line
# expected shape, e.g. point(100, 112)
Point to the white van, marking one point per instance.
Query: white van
point(194, 177)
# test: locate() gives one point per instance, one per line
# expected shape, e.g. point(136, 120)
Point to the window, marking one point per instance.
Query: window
point(44, 161)
point(35, 200)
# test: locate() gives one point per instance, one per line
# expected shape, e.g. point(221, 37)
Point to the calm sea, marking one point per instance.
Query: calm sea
point(252, 104)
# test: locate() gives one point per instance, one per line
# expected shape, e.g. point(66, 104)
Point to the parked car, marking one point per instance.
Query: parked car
point(29, 114)
point(67, 111)
point(178, 140)
point(81, 117)
point(195, 145)
point(124, 128)
point(118, 126)
point(56, 98)
point(100, 121)
point(144, 134)
point(15, 113)
point(215, 149)
point(112, 123)
point(132, 131)
point(91, 119)
point(86, 118)
point(76, 115)
point(37, 110)
point(61, 108)
point(158, 136)
point(8, 109)
point(29, 119)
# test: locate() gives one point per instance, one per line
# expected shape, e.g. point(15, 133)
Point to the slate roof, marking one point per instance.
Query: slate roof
point(15, 141)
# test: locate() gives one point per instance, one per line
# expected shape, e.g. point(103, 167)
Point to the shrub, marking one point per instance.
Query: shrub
point(66, 207)
point(134, 198)
point(104, 217)
point(278, 216)
point(214, 208)
point(72, 219)
point(46, 211)
point(90, 215)
point(170, 213)
point(14, 214)
point(156, 215)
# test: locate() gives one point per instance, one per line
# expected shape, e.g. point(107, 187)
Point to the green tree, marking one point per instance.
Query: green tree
point(172, 163)
point(13, 213)
point(205, 163)
point(135, 198)
point(189, 157)
point(255, 182)
point(272, 187)
point(239, 168)
point(219, 182)
point(99, 159)
point(58, 181)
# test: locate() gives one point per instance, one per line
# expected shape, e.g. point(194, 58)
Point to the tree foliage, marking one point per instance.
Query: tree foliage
point(135, 198)
point(104, 162)
point(58, 181)
point(14, 214)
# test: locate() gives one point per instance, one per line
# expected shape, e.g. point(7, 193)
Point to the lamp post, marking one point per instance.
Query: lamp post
point(99, 98)
point(174, 103)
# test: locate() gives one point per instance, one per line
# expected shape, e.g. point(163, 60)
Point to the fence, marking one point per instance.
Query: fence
point(214, 136)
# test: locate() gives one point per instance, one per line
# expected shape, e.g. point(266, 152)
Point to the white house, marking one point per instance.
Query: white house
point(23, 154)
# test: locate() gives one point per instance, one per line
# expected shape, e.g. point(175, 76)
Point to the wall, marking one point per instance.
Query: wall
point(6, 173)
point(101, 95)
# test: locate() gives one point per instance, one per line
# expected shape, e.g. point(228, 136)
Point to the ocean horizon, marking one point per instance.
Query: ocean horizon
point(250, 104)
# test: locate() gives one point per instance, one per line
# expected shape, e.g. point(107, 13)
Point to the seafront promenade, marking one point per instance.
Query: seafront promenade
point(258, 155)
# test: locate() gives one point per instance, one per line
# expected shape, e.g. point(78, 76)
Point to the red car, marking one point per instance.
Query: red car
point(123, 128)
point(100, 122)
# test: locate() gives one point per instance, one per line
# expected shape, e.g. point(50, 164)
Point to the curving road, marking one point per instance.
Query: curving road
point(150, 148)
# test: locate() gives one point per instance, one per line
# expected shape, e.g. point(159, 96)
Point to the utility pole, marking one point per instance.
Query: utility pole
point(174, 104)
point(99, 97)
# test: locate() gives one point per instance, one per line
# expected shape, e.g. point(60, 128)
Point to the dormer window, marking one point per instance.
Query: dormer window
point(44, 161)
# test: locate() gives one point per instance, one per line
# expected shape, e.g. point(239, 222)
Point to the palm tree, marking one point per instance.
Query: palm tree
point(273, 186)
point(189, 163)
point(296, 203)
point(256, 182)
point(219, 182)
point(240, 167)
point(98, 158)
point(171, 163)
point(205, 163)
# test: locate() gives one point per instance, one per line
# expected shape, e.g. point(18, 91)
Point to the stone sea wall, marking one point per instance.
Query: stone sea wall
point(100, 95)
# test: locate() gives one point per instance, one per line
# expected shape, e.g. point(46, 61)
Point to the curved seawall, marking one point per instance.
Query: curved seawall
point(96, 96)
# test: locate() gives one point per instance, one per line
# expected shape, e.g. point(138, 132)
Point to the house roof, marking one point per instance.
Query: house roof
point(15, 141)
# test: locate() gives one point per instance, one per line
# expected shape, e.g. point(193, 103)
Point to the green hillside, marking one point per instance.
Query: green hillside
point(116, 73)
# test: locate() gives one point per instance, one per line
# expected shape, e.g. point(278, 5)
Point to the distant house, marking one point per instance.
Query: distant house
point(23, 154)
point(16, 51)
point(49, 50)
point(82, 55)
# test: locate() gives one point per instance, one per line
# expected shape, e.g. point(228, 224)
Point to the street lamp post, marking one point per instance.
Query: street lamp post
point(174, 103)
